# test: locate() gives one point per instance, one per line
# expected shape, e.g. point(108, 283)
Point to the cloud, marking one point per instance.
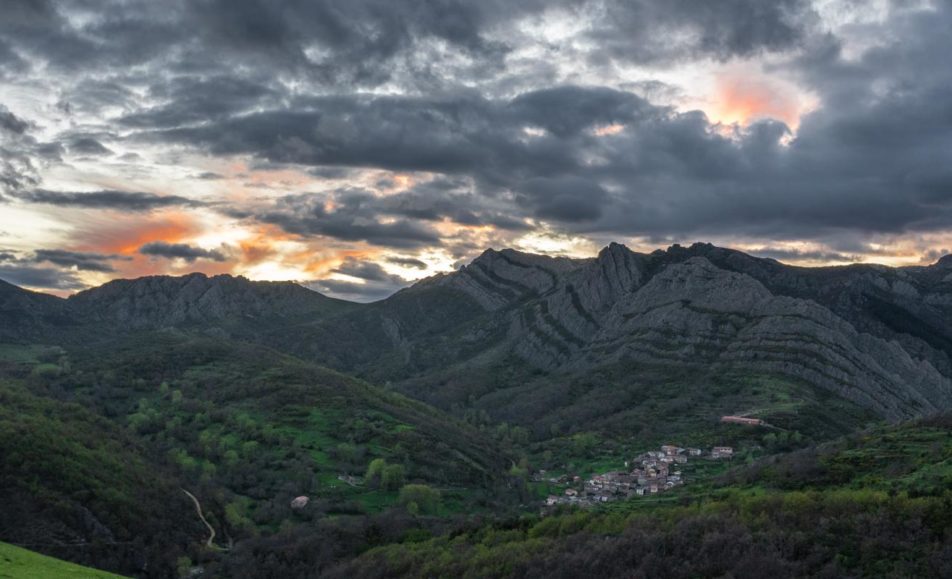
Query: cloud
point(120, 200)
point(374, 282)
point(648, 32)
point(97, 262)
point(411, 262)
point(40, 277)
point(88, 146)
point(351, 219)
point(795, 255)
point(183, 251)
point(11, 123)
point(366, 270)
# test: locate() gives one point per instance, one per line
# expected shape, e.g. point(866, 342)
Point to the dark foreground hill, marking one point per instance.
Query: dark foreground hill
point(97, 443)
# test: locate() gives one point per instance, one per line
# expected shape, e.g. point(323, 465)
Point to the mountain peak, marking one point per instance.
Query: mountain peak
point(944, 262)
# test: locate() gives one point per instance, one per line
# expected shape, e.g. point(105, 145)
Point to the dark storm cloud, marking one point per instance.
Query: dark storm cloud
point(79, 260)
point(18, 168)
point(481, 139)
point(88, 146)
point(192, 100)
point(781, 254)
point(375, 282)
point(366, 270)
point(407, 262)
point(12, 123)
point(180, 251)
point(354, 291)
point(10, 62)
point(119, 200)
point(369, 41)
point(240, 78)
point(566, 111)
point(646, 31)
point(351, 219)
point(446, 198)
point(564, 199)
point(40, 277)
point(666, 172)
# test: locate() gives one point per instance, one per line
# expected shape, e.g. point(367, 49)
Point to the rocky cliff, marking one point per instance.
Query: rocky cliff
point(874, 335)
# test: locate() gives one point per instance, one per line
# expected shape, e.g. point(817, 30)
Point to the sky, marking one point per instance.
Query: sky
point(355, 146)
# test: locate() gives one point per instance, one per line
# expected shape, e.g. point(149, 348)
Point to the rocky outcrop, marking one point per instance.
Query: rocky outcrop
point(164, 301)
point(874, 335)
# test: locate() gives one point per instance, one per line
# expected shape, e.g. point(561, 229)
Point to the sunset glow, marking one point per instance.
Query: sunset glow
point(588, 127)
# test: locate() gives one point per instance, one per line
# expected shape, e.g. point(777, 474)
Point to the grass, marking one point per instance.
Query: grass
point(19, 563)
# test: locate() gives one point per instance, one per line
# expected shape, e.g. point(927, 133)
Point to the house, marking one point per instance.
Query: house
point(551, 500)
point(571, 492)
point(694, 451)
point(681, 459)
point(722, 452)
point(670, 449)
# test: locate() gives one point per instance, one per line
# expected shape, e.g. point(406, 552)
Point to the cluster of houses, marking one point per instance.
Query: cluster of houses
point(649, 473)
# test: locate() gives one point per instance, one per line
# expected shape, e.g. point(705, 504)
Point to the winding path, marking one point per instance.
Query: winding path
point(210, 543)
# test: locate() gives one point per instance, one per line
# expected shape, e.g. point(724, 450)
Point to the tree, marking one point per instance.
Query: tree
point(375, 472)
point(393, 477)
point(420, 498)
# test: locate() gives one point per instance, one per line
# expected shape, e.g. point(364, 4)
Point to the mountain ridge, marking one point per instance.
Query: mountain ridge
point(875, 335)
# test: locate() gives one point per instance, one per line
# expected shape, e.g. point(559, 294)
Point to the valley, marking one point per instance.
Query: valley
point(475, 411)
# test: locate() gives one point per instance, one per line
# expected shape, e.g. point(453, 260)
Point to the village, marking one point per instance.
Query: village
point(649, 473)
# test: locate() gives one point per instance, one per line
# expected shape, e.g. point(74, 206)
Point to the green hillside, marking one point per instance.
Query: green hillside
point(69, 477)
point(17, 563)
point(875, 504)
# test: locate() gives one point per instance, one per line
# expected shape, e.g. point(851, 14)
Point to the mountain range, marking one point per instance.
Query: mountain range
point(876, 336)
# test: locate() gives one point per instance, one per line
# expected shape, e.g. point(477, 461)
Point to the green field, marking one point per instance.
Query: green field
point(17, 563)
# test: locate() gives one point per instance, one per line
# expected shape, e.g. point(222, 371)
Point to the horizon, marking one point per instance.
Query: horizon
point(368, 147)
point(359, 298)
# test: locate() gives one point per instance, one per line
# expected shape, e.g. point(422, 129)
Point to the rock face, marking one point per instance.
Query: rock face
point(192, 299)
point(877, 336)
point(156, 302)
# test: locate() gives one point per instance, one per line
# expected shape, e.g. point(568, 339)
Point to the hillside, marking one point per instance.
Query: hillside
point(76, 486)
point(874, 504)
point(97, 443)
point(17, 563)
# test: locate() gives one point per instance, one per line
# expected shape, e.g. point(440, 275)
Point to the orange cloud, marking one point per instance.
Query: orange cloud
point(125, 234)
point(323, 262)
point(741, 98)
